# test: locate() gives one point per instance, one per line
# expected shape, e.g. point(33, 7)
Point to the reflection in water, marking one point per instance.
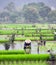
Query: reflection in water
point(20, 45)
point(2, 47)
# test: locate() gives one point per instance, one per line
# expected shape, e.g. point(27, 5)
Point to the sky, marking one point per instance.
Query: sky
point(20, 3)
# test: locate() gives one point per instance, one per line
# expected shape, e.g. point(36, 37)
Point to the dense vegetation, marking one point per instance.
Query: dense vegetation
point(9, 52)
point(30, 13)
point(25, 57)
point(23, 32)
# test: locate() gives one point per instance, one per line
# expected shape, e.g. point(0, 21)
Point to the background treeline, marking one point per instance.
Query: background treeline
point(29, 13)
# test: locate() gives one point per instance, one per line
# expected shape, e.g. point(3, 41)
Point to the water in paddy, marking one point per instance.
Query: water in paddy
point(19, 46)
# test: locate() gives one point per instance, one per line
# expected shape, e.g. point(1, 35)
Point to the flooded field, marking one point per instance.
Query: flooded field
point(19, 45)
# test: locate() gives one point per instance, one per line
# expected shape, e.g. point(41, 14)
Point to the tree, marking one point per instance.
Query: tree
point(44, 11)
point(10, 7)
point(52, 17)
point(31, 15)
point(13, 18)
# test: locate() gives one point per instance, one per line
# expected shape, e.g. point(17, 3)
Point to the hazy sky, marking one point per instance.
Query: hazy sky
point(19, 3)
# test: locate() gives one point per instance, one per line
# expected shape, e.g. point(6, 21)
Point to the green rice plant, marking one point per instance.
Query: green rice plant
point(19, 32)
point(10, 63)
point(43, 63)
point(48, 35)
point(28, 35)
point(32, 35)
point(31, 38)
point(46, 30)
point(36, 35)
point(29, 31)
point(6, 52)
point(34, 63)
point(48, 38)
point(34, 38)
point(14, 63)
point(1, 63)
point(43, 48)
point(24, 38)
point(3, 40)
point(6, 63)
point(7, 32)
point(25, 57)
point(20, 39)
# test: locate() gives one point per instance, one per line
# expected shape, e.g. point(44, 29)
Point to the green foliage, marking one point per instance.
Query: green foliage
point(28, 32)
point(44, 11)
point(25, 57)
point(48, 38)
point(23, 63)
point(22, 39)
point(48, 35)
point(8, 52)
point(52, 16)
point(30, 13)
point(3, 40)
point(7, 32)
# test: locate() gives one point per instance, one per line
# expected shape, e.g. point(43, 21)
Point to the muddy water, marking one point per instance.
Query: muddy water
point(19, 46)
point(51, 62)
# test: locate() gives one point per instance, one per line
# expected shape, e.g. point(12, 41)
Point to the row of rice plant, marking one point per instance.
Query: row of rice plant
point(38, 35)
point(24, 25)
point(26, 31)
point(29, 34)
point(32, 29)
point(6, 52)
point(25, 57)
point(31, 38)
point(23, 63)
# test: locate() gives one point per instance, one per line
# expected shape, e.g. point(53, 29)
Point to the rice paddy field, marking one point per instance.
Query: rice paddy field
point(17, 56)
point(23, 63)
